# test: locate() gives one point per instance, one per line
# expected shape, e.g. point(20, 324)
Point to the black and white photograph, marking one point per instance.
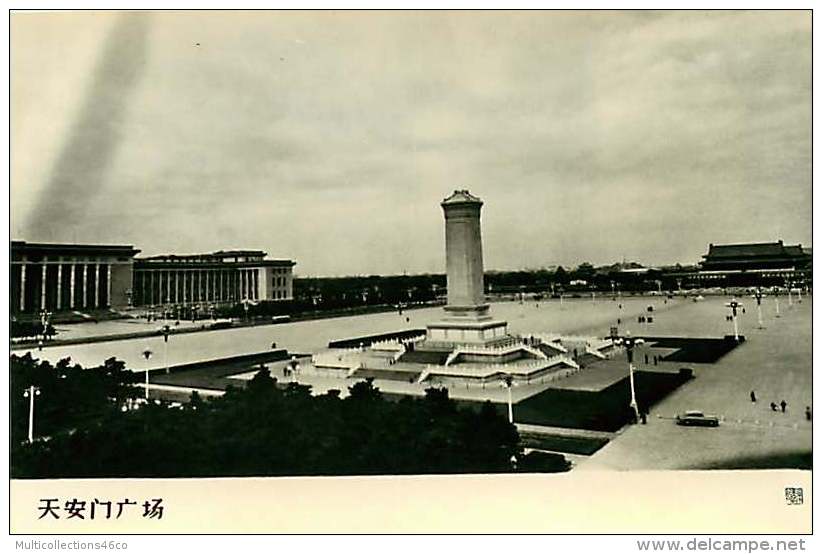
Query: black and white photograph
point(280, 244)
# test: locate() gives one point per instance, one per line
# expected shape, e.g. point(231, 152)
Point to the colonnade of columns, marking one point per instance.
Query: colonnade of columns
point(61, 285)
point(184, 286)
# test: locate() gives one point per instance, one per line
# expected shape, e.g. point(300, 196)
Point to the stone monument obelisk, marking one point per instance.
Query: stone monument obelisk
point(467, 316)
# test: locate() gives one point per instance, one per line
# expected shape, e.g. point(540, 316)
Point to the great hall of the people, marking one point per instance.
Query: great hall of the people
point(66, 277)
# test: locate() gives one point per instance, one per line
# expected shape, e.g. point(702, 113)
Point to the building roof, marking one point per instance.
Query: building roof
point(753, 250)
point(251, 258)
point(461, 197)
point(208, 256)
point(238, 253)
point(53, 248)
point(206, 263)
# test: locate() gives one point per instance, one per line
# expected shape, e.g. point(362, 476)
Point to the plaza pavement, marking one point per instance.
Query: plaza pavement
point(118, 327)
point(314, 335)
point(775, 362)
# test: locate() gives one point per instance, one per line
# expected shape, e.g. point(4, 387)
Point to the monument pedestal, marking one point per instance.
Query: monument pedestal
point(467, 325)
point(480, 333)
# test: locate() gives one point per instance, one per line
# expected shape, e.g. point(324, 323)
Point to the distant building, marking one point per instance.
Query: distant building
point(750, 264)
point(763, 256)
point(623, 268)
point(222, 277)
point(63, 277)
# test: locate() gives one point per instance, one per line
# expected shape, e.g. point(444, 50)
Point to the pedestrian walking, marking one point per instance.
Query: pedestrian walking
point(784, 405)
point(646, 359)
point(753, 396)
point(656, 360)
point(773, 407)
point(808, 413)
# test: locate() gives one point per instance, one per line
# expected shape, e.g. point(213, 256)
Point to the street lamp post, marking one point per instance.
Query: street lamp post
point(508, 382)
point(776, 299)
point(629, 343)
point(44, 322)
point(30, 393)
point(147, 354)
point(166, 332)
point(733, 305)
point(294, 365)
point(758, 295)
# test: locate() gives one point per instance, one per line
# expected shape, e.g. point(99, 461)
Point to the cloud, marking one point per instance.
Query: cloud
point(91, 142)
point(332, 137)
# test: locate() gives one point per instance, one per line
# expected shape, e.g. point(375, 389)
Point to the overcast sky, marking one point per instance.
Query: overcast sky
point(331, 138)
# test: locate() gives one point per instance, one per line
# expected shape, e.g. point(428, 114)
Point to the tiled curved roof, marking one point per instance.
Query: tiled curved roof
point(757, 250)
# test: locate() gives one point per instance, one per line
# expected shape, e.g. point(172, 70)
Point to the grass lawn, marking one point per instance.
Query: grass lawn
point(560, 443)
point(606, 410)
point(694, 350)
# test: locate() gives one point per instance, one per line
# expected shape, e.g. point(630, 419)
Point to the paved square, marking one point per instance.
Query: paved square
point(775, 362)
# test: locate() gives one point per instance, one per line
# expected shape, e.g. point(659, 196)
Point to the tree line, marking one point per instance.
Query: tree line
point(84, 428)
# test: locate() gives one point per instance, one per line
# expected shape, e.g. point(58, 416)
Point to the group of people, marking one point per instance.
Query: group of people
point(783, 406)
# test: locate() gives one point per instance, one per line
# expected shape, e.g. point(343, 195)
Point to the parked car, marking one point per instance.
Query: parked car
point(697, 418)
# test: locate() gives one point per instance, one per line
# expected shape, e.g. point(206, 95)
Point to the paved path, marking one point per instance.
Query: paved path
point(563, 431)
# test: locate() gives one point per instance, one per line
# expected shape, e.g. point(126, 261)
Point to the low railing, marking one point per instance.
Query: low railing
point(393, 344)
point(547, 374)
point(517, 368)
